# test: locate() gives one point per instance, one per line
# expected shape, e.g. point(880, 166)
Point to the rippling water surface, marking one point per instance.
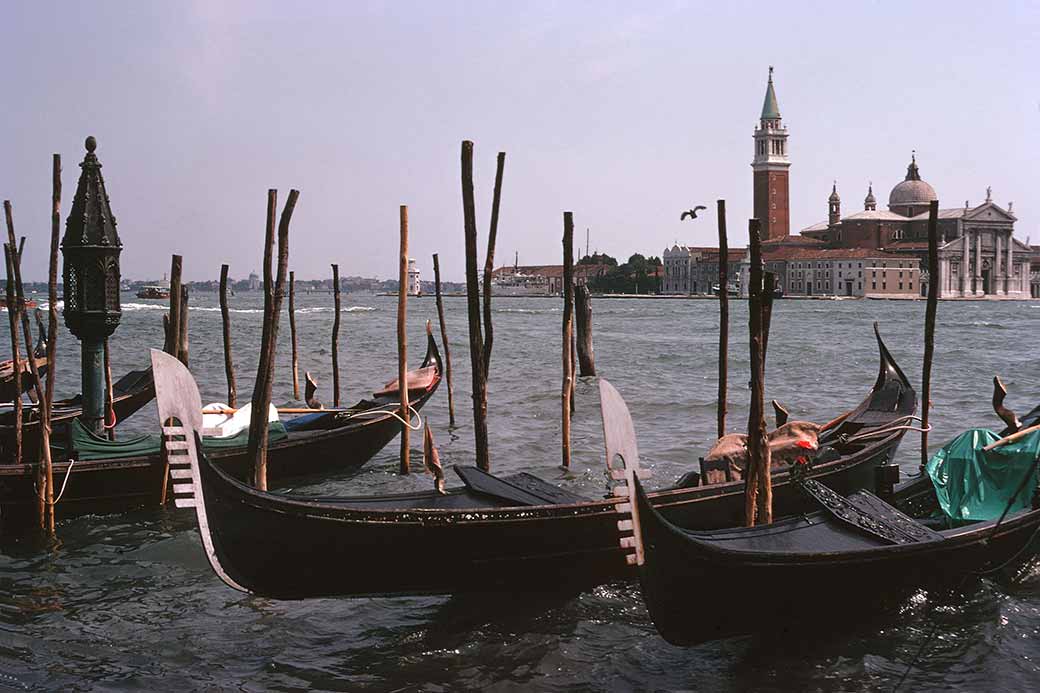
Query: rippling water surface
point(130, 602)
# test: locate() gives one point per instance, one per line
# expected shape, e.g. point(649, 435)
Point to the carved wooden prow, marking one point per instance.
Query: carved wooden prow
point(781, 413)
point(1006, 415)
point(619, 437)
point(180, 416)
point(309, 388)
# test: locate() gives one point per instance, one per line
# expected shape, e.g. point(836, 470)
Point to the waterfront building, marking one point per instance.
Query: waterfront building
point(695, 270)
point(539, 280)
point(978, 254)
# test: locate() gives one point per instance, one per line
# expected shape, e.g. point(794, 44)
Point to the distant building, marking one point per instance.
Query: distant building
point(254, 281)
point(414, 282)
point(539, 280)
point(693, 270)
point(978, 255)
point(815, 271)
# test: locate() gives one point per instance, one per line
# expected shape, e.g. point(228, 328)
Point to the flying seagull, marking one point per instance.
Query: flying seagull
point(692, 213)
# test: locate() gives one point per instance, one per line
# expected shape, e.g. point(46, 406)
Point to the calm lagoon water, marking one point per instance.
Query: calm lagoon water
point(129, 602)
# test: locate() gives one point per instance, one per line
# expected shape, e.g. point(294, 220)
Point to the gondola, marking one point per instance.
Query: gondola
point(855, 556)
point(116, 477)
point(496, 532)
point(8, 391)
point(129, 394)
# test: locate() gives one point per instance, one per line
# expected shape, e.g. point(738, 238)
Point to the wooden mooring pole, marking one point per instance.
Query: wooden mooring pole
point(292, 335)
point(52, 324)
point(757, 483)
point(173, 333)
point(335, 335)
point(12, 319)
point(258, 424)
point(444, 338)
point(723, 317)
point(476, 340)
point(43, 466)
point(402, 343)
point(182, 350)
point(931, 306)
point(568, 362)
point(225, 321)
point(489, 264)
point(583, 313)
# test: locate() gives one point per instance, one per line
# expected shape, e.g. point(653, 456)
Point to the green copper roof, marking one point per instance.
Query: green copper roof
point(770, 109)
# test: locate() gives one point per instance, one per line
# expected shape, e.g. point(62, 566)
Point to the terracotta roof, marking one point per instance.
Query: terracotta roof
point(803, 253)
point(882, 215)
point(793, 240)
point(909, 245)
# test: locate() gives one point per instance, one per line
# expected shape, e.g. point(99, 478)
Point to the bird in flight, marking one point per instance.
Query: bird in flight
point(692, 213)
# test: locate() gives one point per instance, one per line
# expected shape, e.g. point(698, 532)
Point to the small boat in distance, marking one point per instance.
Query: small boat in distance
point(160, 290)
point(29, 303)
point(154, 292)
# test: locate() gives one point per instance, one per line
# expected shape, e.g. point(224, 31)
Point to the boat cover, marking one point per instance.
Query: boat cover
point(86, 445)
point(972, 484)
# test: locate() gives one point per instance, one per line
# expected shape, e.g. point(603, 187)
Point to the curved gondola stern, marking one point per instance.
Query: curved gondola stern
point(433, 354)
point(619, 437)
point(177, 396)
point(888, 366)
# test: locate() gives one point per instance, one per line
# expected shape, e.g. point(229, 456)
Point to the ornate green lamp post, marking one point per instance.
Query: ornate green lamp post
point(90, 250)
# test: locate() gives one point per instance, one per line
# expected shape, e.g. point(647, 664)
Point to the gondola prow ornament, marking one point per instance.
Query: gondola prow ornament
point(90, 250)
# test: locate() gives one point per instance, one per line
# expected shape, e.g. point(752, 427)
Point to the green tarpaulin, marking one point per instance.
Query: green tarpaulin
point(88, 446)
point(975, 485)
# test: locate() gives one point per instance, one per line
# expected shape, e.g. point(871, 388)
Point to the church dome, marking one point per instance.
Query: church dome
point(912, 191)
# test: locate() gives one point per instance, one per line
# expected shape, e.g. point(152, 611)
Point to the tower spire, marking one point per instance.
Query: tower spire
point(771, 166)
point(869, 203)
point(770, 107)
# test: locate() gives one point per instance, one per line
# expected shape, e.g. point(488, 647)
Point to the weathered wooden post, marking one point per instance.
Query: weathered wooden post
point(182, 349)
point(583, 312)
point(723, 317)
point(91, 249)
point(444, 338)
point(489, 264)
point(476, 340)
point(929, 324)
point(568, 307)
point(292, 334)
point(335, 335)
point(757, 482)
point(43, 468)
point(225, 321)
point(768, 291)
point(258, 425)
point(402, 343)
point(52, 323)
point(16, 356)
point(173, 332)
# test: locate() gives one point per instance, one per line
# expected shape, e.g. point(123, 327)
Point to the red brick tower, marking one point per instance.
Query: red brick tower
point(772, 199)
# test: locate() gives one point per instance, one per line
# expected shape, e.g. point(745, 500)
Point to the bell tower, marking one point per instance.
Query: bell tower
point(770, 166)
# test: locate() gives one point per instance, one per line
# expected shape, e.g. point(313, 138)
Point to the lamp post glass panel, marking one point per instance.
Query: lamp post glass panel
point(90, 250)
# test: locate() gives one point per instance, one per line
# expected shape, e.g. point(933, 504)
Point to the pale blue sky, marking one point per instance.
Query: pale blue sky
point(624, 113)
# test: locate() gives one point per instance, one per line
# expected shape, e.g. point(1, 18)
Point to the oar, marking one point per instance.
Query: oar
point(286, 410)
point(834, 422)
point(1011, 438)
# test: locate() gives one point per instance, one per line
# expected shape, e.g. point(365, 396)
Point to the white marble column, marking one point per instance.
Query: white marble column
point(980, 290)
point(1011, 267)
point(999, 283)
point(965, 266)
